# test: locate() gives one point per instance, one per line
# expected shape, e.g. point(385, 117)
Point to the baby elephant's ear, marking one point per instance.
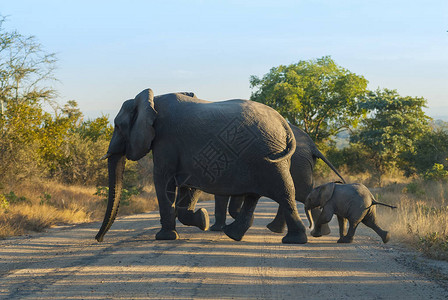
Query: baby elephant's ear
point(326, 191)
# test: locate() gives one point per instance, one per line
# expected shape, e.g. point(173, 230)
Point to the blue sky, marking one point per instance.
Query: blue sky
point(109, 51)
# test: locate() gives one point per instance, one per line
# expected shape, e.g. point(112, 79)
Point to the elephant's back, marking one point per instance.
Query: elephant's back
point(270, 127)
point(240, 125)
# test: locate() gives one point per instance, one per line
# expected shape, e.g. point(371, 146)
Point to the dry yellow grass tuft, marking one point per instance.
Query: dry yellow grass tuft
point(39, 205)
point(421, 219)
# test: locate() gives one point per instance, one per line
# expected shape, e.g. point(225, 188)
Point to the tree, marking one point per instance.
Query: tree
point(430, 149)
point(33, 142)
point(25, 68)
point(316, 95)
point(392, 125)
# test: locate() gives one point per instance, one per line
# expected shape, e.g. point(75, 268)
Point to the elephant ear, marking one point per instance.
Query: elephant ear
point(142, 133)
point(326, 191)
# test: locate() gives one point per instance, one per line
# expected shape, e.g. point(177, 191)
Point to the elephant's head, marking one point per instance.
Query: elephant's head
point(132, 138)
point(134, 129)
point(318, 197)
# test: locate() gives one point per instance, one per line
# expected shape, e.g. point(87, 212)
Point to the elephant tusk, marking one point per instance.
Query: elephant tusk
point(107, 155)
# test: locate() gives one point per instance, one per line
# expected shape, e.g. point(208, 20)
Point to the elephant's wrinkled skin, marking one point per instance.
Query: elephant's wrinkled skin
point(234, 147)
point(302, 164)
point(353, 202)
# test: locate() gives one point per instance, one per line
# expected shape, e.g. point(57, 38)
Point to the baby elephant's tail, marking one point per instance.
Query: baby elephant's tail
point(376, 203)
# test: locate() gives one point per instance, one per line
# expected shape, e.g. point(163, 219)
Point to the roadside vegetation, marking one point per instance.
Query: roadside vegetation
point(50, 172)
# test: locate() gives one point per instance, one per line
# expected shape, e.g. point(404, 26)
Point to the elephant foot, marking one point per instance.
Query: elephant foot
point(186, 216)
point(201, 219)
point(276, 227)
point(345, 240)
point(325, 230)
point(385, 237)
point(316, 233)
point(295, 238)
point(166, 234)
point(233, 231)
point(198, 219)
point(216, 227)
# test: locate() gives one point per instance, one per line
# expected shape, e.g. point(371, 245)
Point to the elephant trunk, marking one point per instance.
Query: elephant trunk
point(309, 217)
point(116, 163)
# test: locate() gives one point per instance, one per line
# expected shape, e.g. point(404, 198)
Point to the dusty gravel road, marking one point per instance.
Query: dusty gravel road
point(67, 263)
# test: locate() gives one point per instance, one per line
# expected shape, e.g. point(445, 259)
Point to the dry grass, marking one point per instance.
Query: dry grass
point(421, 219)
point(39, 205)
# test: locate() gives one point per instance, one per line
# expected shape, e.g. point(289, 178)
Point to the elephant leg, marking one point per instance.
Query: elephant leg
point(186, 203)
point(166, 190)
point(235, 205)
point(350, 234)
point(342, 226)
point(325, 228)
point(244, 220)
point(220, 212)
point(370, 221)
point(324, 218)
point(296, 230)
point(278, 224)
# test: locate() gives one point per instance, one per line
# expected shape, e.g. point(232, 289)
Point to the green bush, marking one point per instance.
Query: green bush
point(126, 194)
point(12, 198)
point(435, 245)
point(80, 163)
point(436, 173)
point(4, 204)
point(45, 199)
point(414, 188)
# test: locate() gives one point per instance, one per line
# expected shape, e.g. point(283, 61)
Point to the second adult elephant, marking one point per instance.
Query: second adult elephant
point(302, 165)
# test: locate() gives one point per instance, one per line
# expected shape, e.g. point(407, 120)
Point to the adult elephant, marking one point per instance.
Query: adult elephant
point(302, 165)
point(203, 145)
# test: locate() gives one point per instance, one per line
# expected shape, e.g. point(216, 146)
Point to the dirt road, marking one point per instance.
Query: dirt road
point(67, 263)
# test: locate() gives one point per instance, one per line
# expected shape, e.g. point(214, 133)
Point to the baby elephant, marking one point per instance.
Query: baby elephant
point(348, 201)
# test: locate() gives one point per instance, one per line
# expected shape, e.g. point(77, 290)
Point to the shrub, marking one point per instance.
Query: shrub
point(436, 173)
point(414, 188)
point(80, 163)
point(434, 244)
point(126, 194)
point(12, 198)
point(4, 204)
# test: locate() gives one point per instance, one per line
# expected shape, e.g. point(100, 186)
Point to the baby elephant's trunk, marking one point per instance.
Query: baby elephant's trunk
point(308, 215)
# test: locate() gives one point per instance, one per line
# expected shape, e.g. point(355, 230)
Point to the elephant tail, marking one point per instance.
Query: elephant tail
point(289, 150)
point(319, 154)
point(379, 203)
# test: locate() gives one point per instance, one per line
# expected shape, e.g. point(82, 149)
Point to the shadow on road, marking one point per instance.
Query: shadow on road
point(69, 263)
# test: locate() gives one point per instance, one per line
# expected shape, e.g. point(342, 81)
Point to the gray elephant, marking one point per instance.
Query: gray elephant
point(201, 145)
point(353, 202)
point(302, 164)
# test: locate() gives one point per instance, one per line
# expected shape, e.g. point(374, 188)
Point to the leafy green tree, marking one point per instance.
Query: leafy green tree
point(436, 173)
point(316, 95)
point(25, 70)
point(430, 149)
point(99, 128)
point(71, 147)
point(391, 127)
point(33, 142)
